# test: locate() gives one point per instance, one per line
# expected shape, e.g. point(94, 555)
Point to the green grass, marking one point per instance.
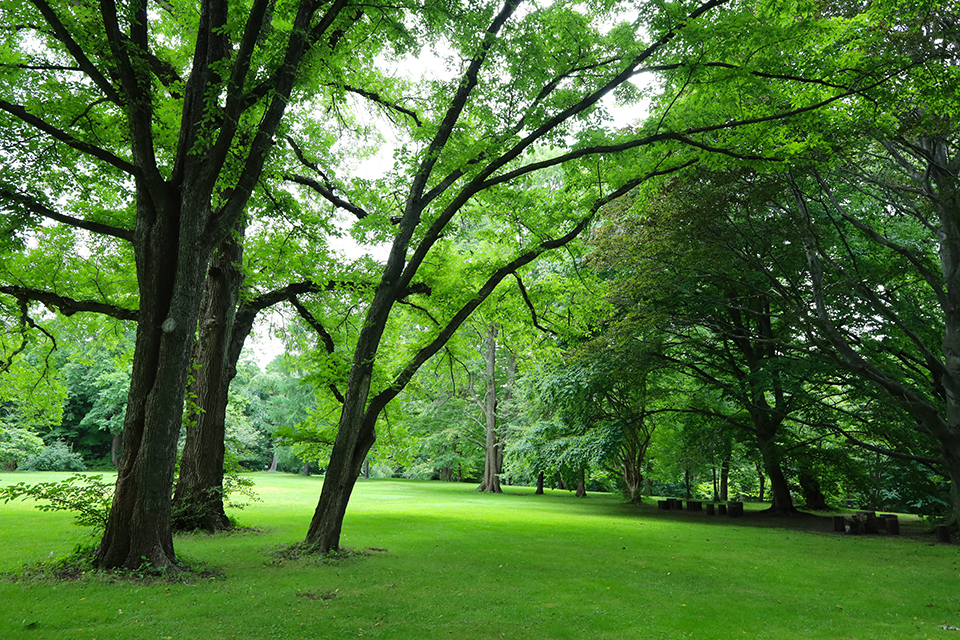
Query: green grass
point(462, 565)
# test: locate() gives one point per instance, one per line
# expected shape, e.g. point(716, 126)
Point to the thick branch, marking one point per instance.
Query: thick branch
point(41, 210)
point(28, 118)
point(68, 306)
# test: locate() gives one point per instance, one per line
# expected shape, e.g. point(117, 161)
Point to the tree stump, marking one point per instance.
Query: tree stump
point(711, 509)
point(892, 524)
point(735, 509)
point(675, 504)
point(838, 524)
point(722, 509)
point(943, 533)
point(694, 505)
point(869, 520)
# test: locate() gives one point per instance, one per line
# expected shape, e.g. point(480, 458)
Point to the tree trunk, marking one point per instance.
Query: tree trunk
point(306, 469)
point(582, 485)
point(171, 266)
point(274, 462)
point(198, 499)
point(116, 448)
point(539, 490)
point(493, 456)
point(366, 469)
point(725, 478)
point(813, 497)
point(782, 502)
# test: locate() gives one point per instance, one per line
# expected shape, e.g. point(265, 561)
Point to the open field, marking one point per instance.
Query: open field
point(455, 564)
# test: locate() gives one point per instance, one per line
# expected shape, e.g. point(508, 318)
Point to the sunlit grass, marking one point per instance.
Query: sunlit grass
point(458, 564)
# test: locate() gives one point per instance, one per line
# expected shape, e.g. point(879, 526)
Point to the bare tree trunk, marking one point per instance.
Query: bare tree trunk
point(116, 447)
point(274, 462)
point(725, 478)
point(582, 485)
point(539, 490)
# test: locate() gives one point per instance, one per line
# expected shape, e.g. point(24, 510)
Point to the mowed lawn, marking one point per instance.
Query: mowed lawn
point(446, 562)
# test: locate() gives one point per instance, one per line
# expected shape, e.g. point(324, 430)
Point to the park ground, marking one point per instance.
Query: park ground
point(438, 560)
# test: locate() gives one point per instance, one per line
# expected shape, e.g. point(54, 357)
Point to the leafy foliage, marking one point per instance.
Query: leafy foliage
point(85, 495)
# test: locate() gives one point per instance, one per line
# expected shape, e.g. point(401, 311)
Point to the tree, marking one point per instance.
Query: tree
point(519, 89)
point(189, 151)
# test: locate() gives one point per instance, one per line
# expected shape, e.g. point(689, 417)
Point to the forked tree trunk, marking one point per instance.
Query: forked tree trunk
point(171, 265)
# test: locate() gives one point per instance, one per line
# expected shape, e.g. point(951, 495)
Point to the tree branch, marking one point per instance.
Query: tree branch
point(68, 306)
point(41, 210)
point(28, 118)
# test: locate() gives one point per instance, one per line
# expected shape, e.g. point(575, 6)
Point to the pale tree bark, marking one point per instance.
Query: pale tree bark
point(493, 456)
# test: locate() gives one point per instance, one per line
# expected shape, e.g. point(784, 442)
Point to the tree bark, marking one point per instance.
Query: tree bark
point(493, 456)
point(171, 264)
point(116, 448)
point(539, 490)
point(198, 498)
point(725, 478)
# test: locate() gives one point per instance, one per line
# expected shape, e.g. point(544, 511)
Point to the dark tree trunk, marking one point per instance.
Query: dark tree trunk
point(782, 502)
point(725, 479)
point(539, 490)
point(171, 265)
point(306, 469)
point(366, 469)
point(198, 499)
point(812, 495)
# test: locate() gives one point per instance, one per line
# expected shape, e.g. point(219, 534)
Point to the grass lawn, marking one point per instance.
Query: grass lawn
point(456, 564)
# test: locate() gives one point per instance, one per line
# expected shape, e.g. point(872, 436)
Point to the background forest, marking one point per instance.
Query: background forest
point(689, 249)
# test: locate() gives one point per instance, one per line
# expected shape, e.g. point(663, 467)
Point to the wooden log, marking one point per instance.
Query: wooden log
point(711, 509)
point(838, 524)
point(735, 509)
point(722, 509)
point(943, 533)
point(694, 505)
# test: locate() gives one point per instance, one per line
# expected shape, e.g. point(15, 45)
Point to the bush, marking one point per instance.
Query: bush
point(17, 444)
point(58, 456)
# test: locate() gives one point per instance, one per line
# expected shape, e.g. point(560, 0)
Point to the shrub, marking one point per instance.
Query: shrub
point(89, 496)
point(16, 444)
point(58, 456)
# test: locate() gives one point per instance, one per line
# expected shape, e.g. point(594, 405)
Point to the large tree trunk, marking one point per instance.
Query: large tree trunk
point(198, 499)
point(782, 502)
point(171, 265)
point(493, 456)
point(539, 490)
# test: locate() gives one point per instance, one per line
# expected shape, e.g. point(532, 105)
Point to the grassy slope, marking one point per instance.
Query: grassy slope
point(462, 565)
